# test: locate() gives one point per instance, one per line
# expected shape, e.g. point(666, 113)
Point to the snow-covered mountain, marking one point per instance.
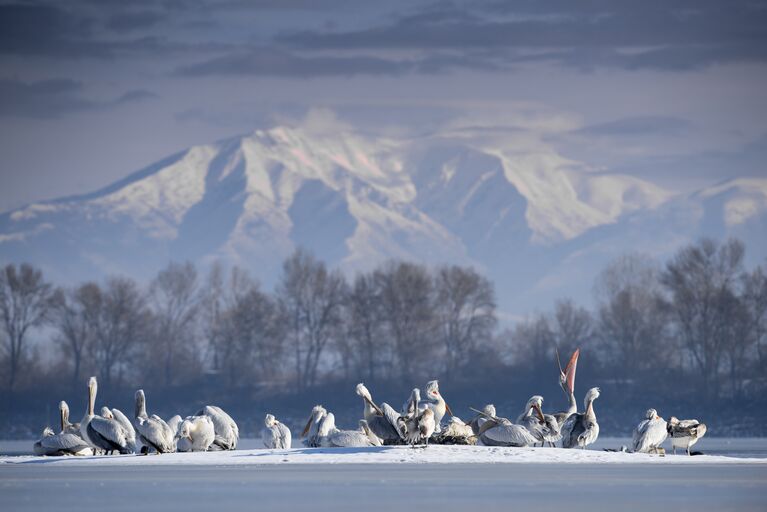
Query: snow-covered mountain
point(537, 223)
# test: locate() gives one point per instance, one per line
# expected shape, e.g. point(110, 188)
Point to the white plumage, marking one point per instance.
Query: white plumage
point(275, 434)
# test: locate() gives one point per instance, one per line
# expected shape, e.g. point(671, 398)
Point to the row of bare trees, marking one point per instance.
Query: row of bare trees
point(701, 315)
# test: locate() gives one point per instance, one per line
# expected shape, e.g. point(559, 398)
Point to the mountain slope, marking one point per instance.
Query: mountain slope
point(537, 223)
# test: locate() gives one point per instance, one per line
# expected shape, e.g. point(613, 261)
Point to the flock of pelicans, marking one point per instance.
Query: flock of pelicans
point(417, 423)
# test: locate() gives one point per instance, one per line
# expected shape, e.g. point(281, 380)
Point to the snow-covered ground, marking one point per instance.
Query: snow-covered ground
point(439, 477)
point(434, 454)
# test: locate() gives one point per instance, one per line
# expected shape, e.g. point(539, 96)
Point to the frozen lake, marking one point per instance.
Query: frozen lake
point(732, 476)
point(342, 487)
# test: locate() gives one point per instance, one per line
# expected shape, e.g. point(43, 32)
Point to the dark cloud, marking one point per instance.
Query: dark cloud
point(674, 34)
point(54, 98)
point(272, 62)
point(136, 20)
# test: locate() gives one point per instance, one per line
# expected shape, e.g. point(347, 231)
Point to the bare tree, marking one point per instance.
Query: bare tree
point(253, 331)
point(311, 298)
point(407, 298)
point(533, 341)
point(702, 280)
point(366, 343)
point(121, 325)
point(573, 326)
point(25, 303)
point(75, 319)
point(465, 303)
point(632, 321)
point(175, 305)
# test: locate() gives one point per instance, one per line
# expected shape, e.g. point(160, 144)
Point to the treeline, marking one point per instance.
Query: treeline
point(695, 325)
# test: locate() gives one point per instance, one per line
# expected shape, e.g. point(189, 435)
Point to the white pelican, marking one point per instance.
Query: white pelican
point(275, 434)
point(476, 422)
point(63, 443)
point(649, 434)
point(456, 432)
point(567, 383)
point(409, 423)
point(312, 429)
point(381, 420)
point(227, 431)
point(685, 433)
point(195, 434)
point(436, 403)
point(332, 437)
point(102, 433)
point(502, 432)
point(152, 430)
point(581, 429)
point(532, 419)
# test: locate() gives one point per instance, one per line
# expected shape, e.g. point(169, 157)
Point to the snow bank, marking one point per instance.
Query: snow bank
point(386, 455)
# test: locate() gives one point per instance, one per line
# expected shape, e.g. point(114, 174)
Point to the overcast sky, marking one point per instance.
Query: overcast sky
point(671, 91)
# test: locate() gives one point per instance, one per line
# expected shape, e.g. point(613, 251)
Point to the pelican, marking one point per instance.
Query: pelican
point(381, 420)
point(332, 437)
point(63, 443)
point(102, 433)
point(276, 434)
point(311, 431)
point(502, 432)
point(436, 403)
point(476, 422)
point(535, 424)
point(581, 429)
point(153, 431)
point(685, 433)
point(227, 431)
point(567, 383)
point(408, 422)
point(456, 432)
point(649, 434)
point(195, 434)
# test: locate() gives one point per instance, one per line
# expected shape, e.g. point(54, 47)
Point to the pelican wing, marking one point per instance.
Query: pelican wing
point(64, 442)
point(154, 433)
point(130, 432)
point(285, 437)
point(507, 434)
point(392, 418)
point(270, 437)
point(573, 427)
point(108, 434)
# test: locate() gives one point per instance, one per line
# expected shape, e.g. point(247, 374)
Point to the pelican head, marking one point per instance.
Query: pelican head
point(362, 391)
point(651, 414)
point(536, 402)
point(64, 408)
point(185, 430)
point(106, 413)
point(673, 420)
point(591, 395)
point(489, 409)
point(432, 392)
point(48, 431)
point(270, 421)
point(567, 376)
point(316, 415)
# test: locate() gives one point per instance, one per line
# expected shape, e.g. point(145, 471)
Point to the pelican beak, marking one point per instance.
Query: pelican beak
point(374, 406)
point(448, 409)
point(539, 412)
point(570, 370)
point(306, 428)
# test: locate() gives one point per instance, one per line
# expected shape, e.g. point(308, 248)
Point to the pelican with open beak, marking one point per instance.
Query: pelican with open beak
point(532, 419)
point(436, 403)
point(567, 383)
